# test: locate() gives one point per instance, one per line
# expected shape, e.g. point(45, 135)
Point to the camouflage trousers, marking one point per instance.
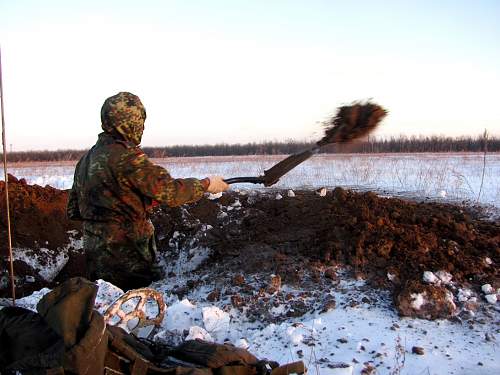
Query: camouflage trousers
point(128, 264)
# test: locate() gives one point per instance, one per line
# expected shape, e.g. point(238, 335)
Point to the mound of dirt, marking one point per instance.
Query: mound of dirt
point(303, 239)
point(389, 242)
point(374, 235)
point(41, 233)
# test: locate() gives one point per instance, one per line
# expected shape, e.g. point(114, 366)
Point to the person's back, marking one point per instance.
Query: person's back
point(113, 192)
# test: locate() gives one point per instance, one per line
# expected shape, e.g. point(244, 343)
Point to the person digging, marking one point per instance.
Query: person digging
point(114, 190)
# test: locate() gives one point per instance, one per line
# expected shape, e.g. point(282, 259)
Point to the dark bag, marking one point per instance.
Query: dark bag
point(68, 310)
point(27, 343)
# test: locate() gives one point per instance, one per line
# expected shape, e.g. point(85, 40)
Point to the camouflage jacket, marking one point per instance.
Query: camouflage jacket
point(115, 185)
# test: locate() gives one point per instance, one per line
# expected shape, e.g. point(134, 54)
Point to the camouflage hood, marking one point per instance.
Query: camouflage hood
point(123, 115)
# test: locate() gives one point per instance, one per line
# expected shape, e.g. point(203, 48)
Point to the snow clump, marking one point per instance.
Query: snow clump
point(214, 196)
point(491, 298)
point(321, 192)
point(196, 332)
point(242, 343)
point(429, 277)
point(215, 319)
point(418, 300)
point(464, 295)
point(444, 277)
point(487, 289)
point(291, 194)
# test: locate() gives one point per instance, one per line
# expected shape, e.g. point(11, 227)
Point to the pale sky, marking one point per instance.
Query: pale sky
point(241, 71)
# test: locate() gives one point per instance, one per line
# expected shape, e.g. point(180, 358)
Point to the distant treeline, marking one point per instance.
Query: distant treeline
point(401, 144)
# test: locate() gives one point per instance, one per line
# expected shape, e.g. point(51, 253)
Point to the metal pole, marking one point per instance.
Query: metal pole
point(11, 258)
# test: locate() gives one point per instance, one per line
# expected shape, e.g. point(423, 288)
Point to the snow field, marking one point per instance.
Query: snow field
point(441, 176)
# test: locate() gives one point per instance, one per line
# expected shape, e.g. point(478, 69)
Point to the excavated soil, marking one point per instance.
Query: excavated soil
point(39, 225)
point(299, 239)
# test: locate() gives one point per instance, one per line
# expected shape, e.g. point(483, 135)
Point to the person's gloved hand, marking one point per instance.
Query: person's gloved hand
point(216, 184)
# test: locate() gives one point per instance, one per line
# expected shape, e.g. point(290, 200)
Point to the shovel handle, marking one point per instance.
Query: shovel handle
point(237, 180)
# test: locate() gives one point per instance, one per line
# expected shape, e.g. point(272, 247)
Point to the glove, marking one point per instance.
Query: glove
point(216, 185)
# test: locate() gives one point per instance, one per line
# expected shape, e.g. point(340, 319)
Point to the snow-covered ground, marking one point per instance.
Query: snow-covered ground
point(442, 176)
point(358, 335)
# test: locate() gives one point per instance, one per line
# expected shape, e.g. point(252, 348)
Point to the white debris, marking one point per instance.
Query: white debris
point(487, 289)
point(278, 196)
point(444, 276)
point(214, 196)
point(181, 316)
point(491, 298)
point(291, 194)
point(236, 204)
point(430, 278)
point(196, 332)
point(418, 300)
point(242, 343)
point(464, 295)
point(391, 276)
point(488, 261)
point(321, 192)
point(215, 319)
point(294, 335)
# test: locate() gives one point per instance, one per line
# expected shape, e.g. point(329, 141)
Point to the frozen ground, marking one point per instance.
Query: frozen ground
point(442, 176)
point(364, 334)
point(360, 336)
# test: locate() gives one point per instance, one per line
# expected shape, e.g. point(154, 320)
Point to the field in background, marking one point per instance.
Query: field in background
point(443, 176)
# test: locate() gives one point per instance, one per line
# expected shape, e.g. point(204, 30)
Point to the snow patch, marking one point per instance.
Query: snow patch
point(214, 196)
point(429, 277)
point(107, 293)
point(32, 300)
point(339, 368)
point(444, 277)
point(464, 295)
point(188, 260)
point(47, 263)
point(418, 300)
point(215, 319)
point(487, 289)
point(294, 335)
point(242, 343)
point(196, 332)
point(491, 298)
point(181, 316)
point(322, 192)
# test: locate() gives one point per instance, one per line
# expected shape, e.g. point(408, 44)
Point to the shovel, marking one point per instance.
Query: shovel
point(350, 123)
